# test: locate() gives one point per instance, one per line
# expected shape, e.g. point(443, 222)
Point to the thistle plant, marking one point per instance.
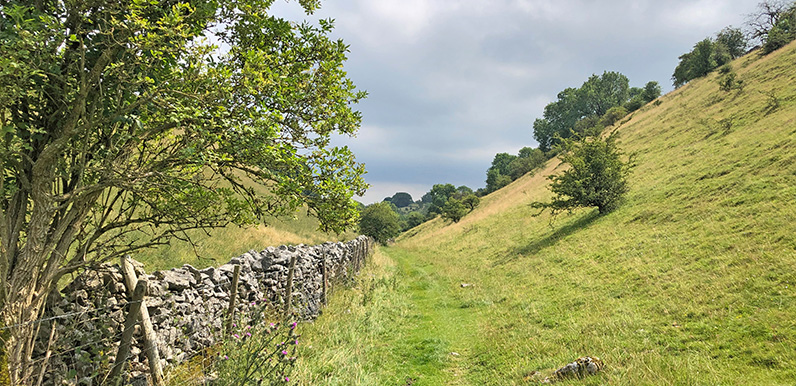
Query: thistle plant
point(258, 351)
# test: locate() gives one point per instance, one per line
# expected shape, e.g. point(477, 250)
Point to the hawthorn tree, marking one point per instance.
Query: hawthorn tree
point(123, 126)
point(597, 176)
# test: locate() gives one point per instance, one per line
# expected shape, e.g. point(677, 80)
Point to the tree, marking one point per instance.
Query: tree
point(495, 180)
point(783, 31)
point(438, 196)
point(600, 93)
point(380, 222)
point(593, 98)
point(454, 210)
point(613, 115)
point(734, 40)
point(766, 17)
point(527, 160)
point(471, 201)
point(498, 175)
point(414, 219)
point(462, 191)
point(123, 128)
point(597, 176)
point(697, 63)
point(652, 90)
point(401, 199)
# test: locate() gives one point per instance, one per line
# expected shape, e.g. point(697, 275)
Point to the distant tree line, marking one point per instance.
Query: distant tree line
point(773, 25)
point(398, 213)
point(585, 111)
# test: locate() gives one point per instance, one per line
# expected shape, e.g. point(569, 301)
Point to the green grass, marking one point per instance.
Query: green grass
point(690, 282)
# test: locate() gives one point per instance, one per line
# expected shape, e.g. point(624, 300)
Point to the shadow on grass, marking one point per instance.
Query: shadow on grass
point(551, 239)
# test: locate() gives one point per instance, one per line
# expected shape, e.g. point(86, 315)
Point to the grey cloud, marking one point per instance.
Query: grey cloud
point(452, 83)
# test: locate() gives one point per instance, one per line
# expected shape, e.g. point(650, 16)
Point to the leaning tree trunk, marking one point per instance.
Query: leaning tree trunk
point(37, 265)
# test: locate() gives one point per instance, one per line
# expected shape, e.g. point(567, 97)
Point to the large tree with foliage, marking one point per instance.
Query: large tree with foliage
point(593, 98)
point(400, 199)
point(123, 127)
point(438, 196)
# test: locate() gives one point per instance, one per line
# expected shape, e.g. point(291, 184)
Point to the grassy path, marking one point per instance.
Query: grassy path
point(405, 323)
point(440, 341)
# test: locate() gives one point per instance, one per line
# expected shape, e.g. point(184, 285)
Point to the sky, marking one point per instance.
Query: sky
point(451, 83)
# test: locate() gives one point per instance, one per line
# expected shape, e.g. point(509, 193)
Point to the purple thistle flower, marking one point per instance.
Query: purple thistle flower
point(248, 334)
point(284, 352)
point(287, 379)
point(292, 326)
point(236, 336)
point(226, 357)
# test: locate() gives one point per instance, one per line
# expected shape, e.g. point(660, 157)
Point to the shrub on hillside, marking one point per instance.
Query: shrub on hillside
point(454, 210)
point(597, 176)
point(471, 201)
point(613, 115)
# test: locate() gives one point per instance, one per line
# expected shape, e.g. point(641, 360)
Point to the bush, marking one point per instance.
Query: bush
point(454, 210)
point(634, 104)
point(597, 177)
point(471, 201)
point(613, 115)
point(729, 81)
point(380, 222)
point(414, 219)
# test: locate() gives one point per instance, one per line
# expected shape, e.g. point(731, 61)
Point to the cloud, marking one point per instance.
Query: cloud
point(453, 82)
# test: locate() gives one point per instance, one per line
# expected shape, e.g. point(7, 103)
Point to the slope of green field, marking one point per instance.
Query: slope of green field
point(220, 245)
point(690, 282)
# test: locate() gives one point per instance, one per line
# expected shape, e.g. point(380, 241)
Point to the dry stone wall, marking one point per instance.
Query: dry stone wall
point(187, 306)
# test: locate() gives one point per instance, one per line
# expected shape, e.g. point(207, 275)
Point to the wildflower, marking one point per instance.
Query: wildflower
point(284, 352)
point(226, 357)
point(248, 334)
point(287, 379)
point(292, 326)
point(236, 336)
point(295, 342)
point(273, 325)
point(254, 303)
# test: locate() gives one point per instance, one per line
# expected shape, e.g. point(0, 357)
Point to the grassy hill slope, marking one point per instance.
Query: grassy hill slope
point(690, 282)
point(222, 244)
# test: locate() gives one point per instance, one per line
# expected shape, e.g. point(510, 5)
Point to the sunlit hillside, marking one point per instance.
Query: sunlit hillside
point(689, 282)
point(220, 245)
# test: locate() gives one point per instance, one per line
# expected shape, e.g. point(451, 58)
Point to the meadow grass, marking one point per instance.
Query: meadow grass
point(689, 282)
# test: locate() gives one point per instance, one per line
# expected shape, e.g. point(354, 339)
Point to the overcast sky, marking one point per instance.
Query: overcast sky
point(452, 83)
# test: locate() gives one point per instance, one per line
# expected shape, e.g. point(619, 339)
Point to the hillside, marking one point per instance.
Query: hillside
point(221, 244)
point(691, 281)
